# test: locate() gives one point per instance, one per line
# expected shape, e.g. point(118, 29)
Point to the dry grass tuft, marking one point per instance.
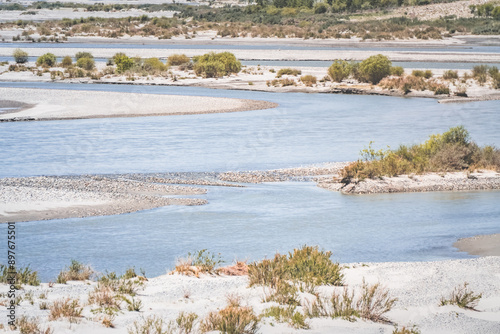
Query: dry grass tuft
point(75, 272)
point(231, 320)
point(462, 297)
point(238, 269)
point(66, 308)
point(28, 325)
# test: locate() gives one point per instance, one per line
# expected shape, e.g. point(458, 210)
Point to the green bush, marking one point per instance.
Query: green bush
point(427, 74)
point(67, 61)
point(214, 65)
point(480, 73)
point(177, 59)
point(85, 63)
point(47, 59)
point(447, 152)
point(122, 62)
point(339, 70)
point(22, 276)
point(375, 68)
point(83, 54)
point(397, 71)
point(320, 8)
point(20, 56)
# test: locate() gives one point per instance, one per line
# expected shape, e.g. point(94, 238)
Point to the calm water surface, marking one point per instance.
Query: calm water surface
point(253, 222)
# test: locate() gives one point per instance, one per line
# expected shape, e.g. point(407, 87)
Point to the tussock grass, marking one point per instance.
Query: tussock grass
point(66, 308)
point(23, 276)
point(463, 297)
point(75, 272)
point(287, 314)
point(177, 59)
point(150, 325)
point(31, 325)
point(308, 80)
point(307, 264)
point(404, 330)
point(186, 322)
point(370, 303)
point(231, 320)
point(418, 82)
point(448, 152)
point(288, 71)
point(199, 262)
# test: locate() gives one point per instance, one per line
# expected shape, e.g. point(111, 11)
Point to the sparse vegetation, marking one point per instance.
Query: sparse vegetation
point(450, 75)
point(75, 272)
point(150, 325)
point(66, 308)
point(404, 330)
point(22, 276)
point(450, 151)
point(31, 325)
point(308, 80)
point(234, 319)
point(199, 262)
point(287, 314)
point(288, 71)
point(463, 297)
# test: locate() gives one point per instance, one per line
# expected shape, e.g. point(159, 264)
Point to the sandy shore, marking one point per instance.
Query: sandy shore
point(418, 286)
point(66, 104)
point(456, 181)
point(482, 245)
point(43, 198)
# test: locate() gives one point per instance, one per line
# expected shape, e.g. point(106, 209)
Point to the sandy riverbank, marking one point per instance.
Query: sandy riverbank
point(43, 198)
point(418, 286)
point(66, 104)
point(482, 245)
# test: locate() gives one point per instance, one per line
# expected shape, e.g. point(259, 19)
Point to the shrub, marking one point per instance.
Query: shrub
point(374, 302)
point(153, 65)
point(307, 264)
point(86, 63)
point(450, 151)
point(462, 297)
point(83, 54)
point(186, 321)
point(397, 71)
point(308, 80)
point(320, 8)
point(450, 75)
point(75, 272)
point(231, 320)
point(422, 74)
point(67, 61)
point(288, 71)
point(198, 262)
point(47, 59)
point(480, 73)
point(441, 90)
point(339, 70)
point(176, 60)
point(375, 68)
point(122, 62)
point(20, 56)
point(22, 276)
point(214, 65)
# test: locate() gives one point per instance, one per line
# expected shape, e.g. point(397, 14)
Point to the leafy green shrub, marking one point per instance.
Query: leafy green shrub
point(339, 70)
point(47, 59)
point(67, 61)
point(20, 56)
point(308, 80)
point(288, 71)
point(450, 151)
point(422, 74)
point(320, 8)
point(177, 59)
point(397, 71)
point(83, 54)
point(214, 65)
point(450, 75)
point(86, 63)
point(75, 272)
point(375, 68)
point(462, 297)
point(123, 62)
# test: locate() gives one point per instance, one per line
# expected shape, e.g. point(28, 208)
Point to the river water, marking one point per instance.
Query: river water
point(253, 222)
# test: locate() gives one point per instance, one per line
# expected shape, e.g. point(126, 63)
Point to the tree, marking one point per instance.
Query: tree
point(339, 70)
point(20, 56)
point(375, 68)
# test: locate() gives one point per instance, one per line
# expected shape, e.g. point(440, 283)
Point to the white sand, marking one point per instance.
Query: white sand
point(417, 285)
point(66, 104)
